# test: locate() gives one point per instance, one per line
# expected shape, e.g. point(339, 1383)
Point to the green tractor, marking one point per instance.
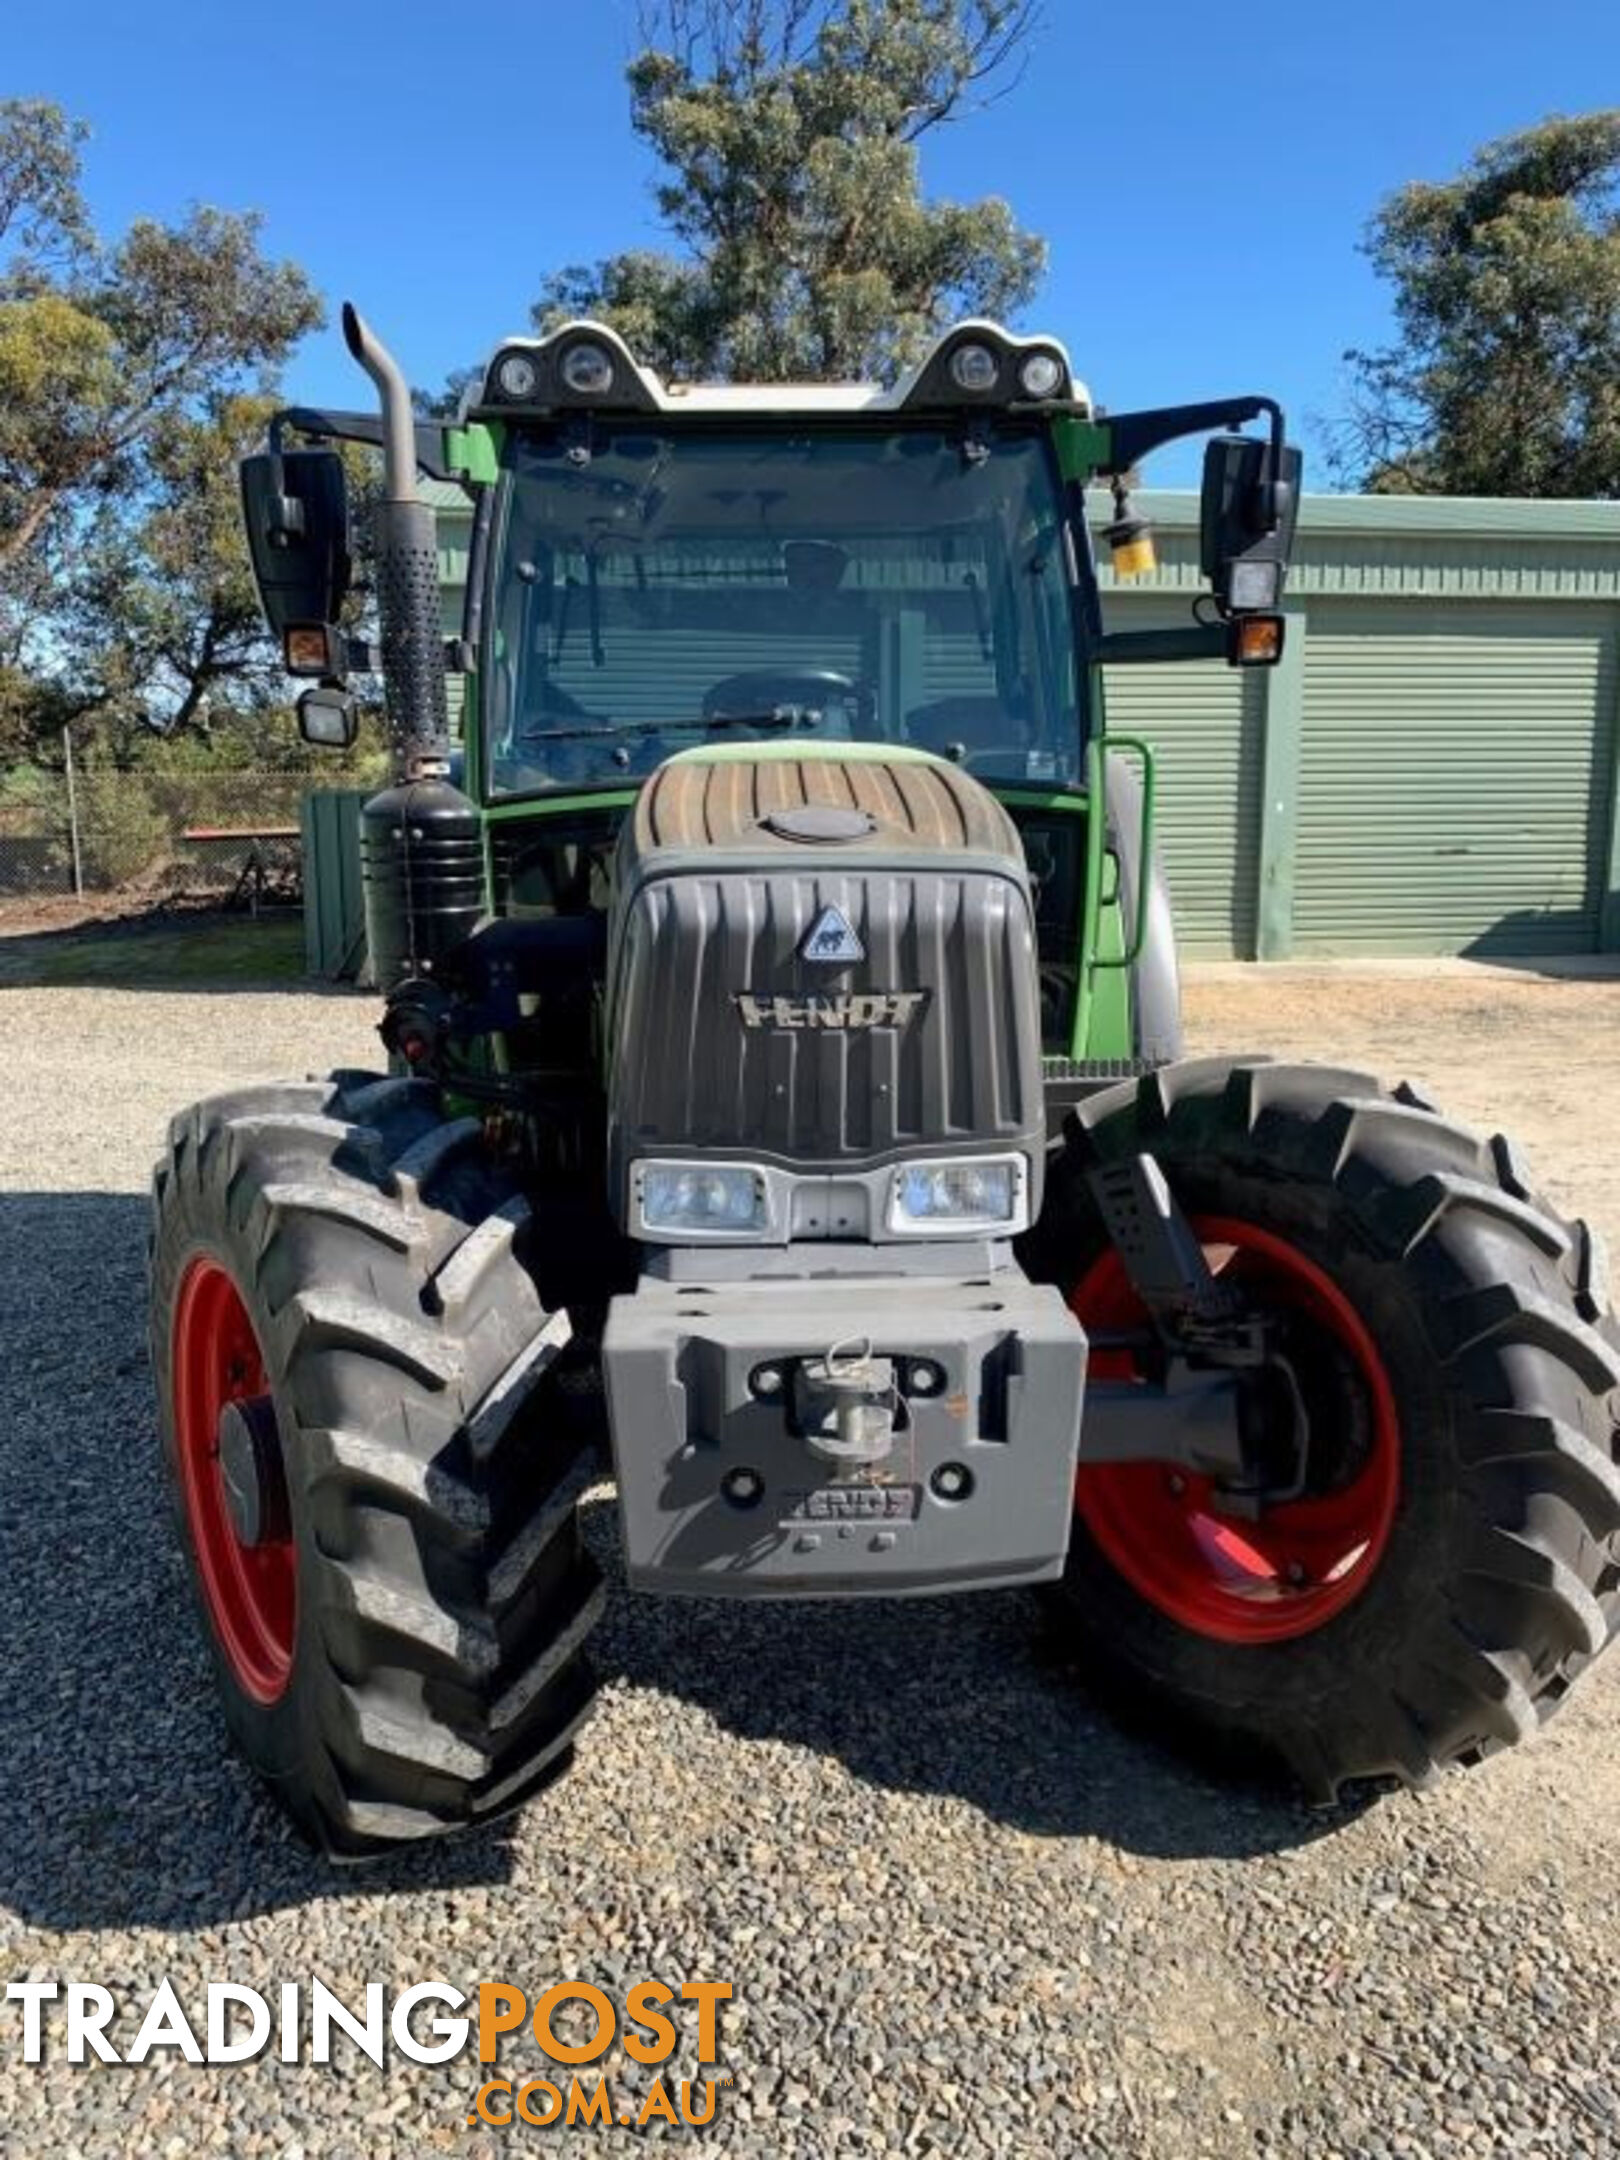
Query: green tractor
point(784, 1087)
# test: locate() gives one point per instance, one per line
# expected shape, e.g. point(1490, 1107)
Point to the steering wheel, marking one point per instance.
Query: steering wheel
point(762, 690)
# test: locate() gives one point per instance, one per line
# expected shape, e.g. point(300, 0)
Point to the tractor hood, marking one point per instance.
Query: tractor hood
point(822, 961)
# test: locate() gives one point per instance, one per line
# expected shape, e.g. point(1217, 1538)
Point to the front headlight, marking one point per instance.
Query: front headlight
point(975, 1193)
point(701, 1199)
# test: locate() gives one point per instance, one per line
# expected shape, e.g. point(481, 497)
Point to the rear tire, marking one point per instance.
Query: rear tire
point(439, 1590)
point(1497, 1577)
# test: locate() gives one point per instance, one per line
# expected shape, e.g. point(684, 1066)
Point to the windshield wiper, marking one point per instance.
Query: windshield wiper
point(608, 731)
point(782, 716)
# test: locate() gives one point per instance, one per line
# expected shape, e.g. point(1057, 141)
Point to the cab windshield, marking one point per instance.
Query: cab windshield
point(658, 588)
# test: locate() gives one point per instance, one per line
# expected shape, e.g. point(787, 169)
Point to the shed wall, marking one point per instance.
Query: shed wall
point(1435, 769)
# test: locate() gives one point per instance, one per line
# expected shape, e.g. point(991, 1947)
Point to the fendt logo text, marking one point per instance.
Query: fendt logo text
point(849, 1010)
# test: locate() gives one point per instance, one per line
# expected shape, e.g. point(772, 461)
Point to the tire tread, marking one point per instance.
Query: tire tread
point(1514, 1302)
point(450, 1593)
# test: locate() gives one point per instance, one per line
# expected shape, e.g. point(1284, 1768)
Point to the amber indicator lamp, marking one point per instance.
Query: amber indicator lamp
point(305, 649)
point(1257, 640)
point(1129, 537)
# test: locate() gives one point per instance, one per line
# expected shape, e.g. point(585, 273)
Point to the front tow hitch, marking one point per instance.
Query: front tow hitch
point(847, 1404)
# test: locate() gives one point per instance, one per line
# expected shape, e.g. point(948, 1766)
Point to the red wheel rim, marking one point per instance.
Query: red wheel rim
point(1301, 1562)
point(250, 1590)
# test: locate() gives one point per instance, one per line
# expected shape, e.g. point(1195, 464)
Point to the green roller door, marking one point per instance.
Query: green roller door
point(1449, 764)
point(334, 904)
point(1204, 722)
point(456, 684)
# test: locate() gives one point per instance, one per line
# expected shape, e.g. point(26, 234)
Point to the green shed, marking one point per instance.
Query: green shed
point(1433, 768)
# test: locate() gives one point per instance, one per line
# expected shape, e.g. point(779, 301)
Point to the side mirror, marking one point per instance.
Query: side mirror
point(295, 505)
point(328, 717)
point(1246, 523)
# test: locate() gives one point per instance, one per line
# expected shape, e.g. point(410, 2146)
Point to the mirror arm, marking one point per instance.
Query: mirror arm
point(319, 424)
point(1204, 641)
point(1132, 436)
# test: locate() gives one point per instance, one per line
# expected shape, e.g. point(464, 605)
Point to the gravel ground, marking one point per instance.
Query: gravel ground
point(963, 1913)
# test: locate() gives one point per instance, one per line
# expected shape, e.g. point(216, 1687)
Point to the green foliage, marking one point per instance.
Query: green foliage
point(124, 833)
point(133, 373)
point(1505, 379)
point(162, 609)
point(788, 130)
point(265, 742)
point(133, 819)
point(41, 210)
point(33, 711)
point(31, 800)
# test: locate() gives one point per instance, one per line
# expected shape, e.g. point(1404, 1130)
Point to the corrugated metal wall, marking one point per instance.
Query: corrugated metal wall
point(454, 516)
point(334, 905)
point(1448, 748)
point(1451, 761)
point(1204, 722)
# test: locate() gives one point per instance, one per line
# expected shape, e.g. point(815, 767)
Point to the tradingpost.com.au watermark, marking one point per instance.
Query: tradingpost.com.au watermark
point(658, 2025)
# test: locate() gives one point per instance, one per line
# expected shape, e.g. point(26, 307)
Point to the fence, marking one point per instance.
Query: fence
point(162, 834)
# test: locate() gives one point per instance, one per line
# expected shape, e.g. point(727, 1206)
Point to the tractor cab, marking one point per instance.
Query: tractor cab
point(668, 565)
point(782, 581)
point(660, 568)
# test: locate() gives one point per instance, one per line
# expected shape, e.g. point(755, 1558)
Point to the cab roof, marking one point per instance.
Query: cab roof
point(585, 366)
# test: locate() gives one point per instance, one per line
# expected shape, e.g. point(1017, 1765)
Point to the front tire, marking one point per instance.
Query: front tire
point(1458, 1557)
point(376, 1499)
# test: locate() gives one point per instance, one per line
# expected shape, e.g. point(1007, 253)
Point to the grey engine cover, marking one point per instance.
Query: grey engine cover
point(730, 1039)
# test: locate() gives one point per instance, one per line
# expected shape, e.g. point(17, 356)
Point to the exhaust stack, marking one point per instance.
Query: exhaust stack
point(421, 844)
point(407, 576)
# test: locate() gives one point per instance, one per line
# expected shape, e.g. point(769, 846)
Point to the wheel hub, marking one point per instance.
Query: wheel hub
point(232, 1481)
point(1282, 1559)
point(251, 1472)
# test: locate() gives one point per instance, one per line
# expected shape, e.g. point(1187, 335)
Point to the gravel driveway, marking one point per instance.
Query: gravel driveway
point(963, 1913)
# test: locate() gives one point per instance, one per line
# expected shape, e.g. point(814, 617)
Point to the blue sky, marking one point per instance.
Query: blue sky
point(1203, 186)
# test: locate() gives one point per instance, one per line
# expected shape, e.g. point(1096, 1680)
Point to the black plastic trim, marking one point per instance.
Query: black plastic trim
point(324, 425)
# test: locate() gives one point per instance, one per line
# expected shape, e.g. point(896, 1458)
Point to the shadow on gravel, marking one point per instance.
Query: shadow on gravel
point(123, 1806)
point(960, 1697)
point(1581, 967)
